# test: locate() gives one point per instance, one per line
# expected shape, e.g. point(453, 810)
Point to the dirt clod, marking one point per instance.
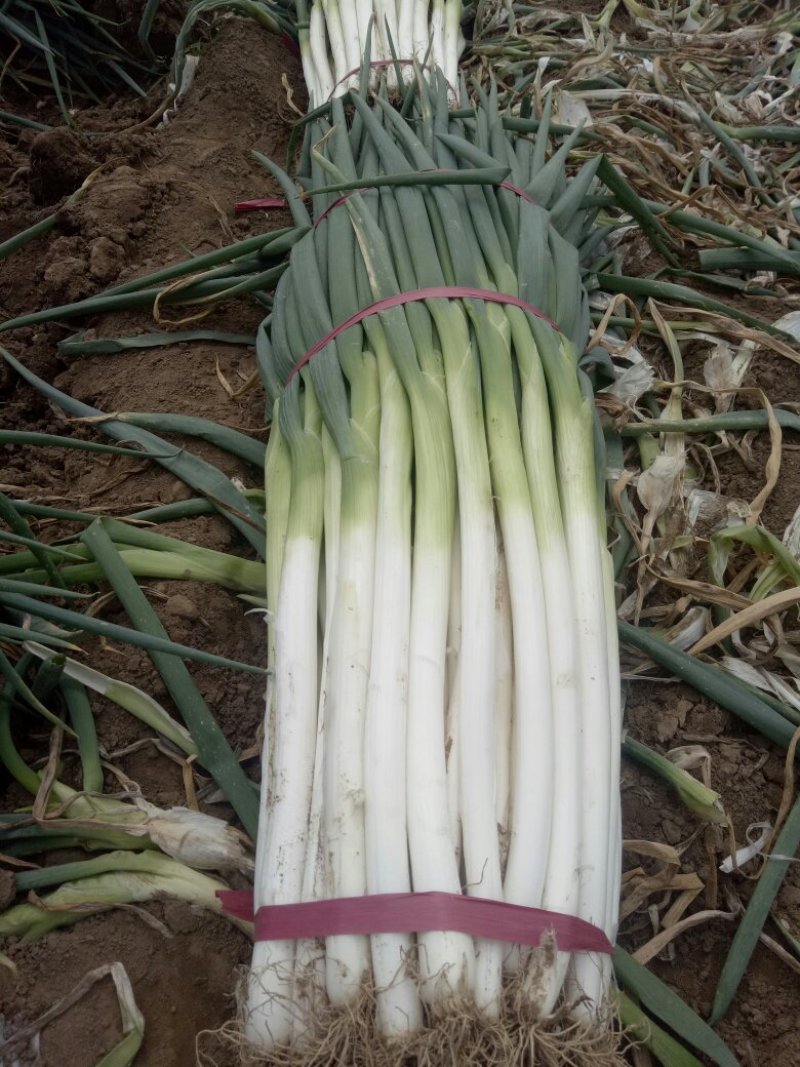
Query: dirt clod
point(58, 164)
point(105, 259)
point(182, 606)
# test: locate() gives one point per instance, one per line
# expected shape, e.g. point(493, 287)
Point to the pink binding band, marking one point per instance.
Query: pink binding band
point(337, 203)
point(290, 43)
point(516, 189)
point(416, 913)
point(270, 203)
point(446, 292)
point(346, 196)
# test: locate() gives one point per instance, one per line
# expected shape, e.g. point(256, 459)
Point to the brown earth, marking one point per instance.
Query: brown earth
point(164, 193)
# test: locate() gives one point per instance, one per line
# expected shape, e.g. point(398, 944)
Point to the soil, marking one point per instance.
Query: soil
point(163, 193)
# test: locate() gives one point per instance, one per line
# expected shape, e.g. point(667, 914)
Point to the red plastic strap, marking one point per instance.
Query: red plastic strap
point(291, 44)
point(415, 913)
point(346, 196)
point(272, 203)
point(447, 292)
point(520, 192)
point(336, 203)
point(269, 203)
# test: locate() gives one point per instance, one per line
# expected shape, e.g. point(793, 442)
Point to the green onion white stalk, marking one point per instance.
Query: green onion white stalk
point(453, 705)
point(398, 1005)
point(476, 734)
point(503, 703)
point(310, 960)
point(288, 776)
point(583, 529)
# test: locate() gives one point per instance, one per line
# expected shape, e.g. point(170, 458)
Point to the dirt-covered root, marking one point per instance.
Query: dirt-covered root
point(461, 1037)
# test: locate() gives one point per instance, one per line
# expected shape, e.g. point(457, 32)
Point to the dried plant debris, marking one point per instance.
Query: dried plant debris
point(696, 107)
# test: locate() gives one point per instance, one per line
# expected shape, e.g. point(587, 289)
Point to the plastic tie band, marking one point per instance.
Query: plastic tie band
point(367, 188)
point(289, 42)
point(269, 203)
point(445, 292)
point(416, 913)
point(274, 203)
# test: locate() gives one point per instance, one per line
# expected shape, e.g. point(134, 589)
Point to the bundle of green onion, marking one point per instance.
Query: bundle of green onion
point(443, 713)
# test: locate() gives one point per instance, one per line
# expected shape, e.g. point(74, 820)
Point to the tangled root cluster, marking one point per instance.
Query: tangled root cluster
point(461, 1037)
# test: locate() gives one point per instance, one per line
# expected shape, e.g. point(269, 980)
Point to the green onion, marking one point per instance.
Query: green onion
point(451, 451)
point(746, 937)
point(213, 749)
point(128, 879)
